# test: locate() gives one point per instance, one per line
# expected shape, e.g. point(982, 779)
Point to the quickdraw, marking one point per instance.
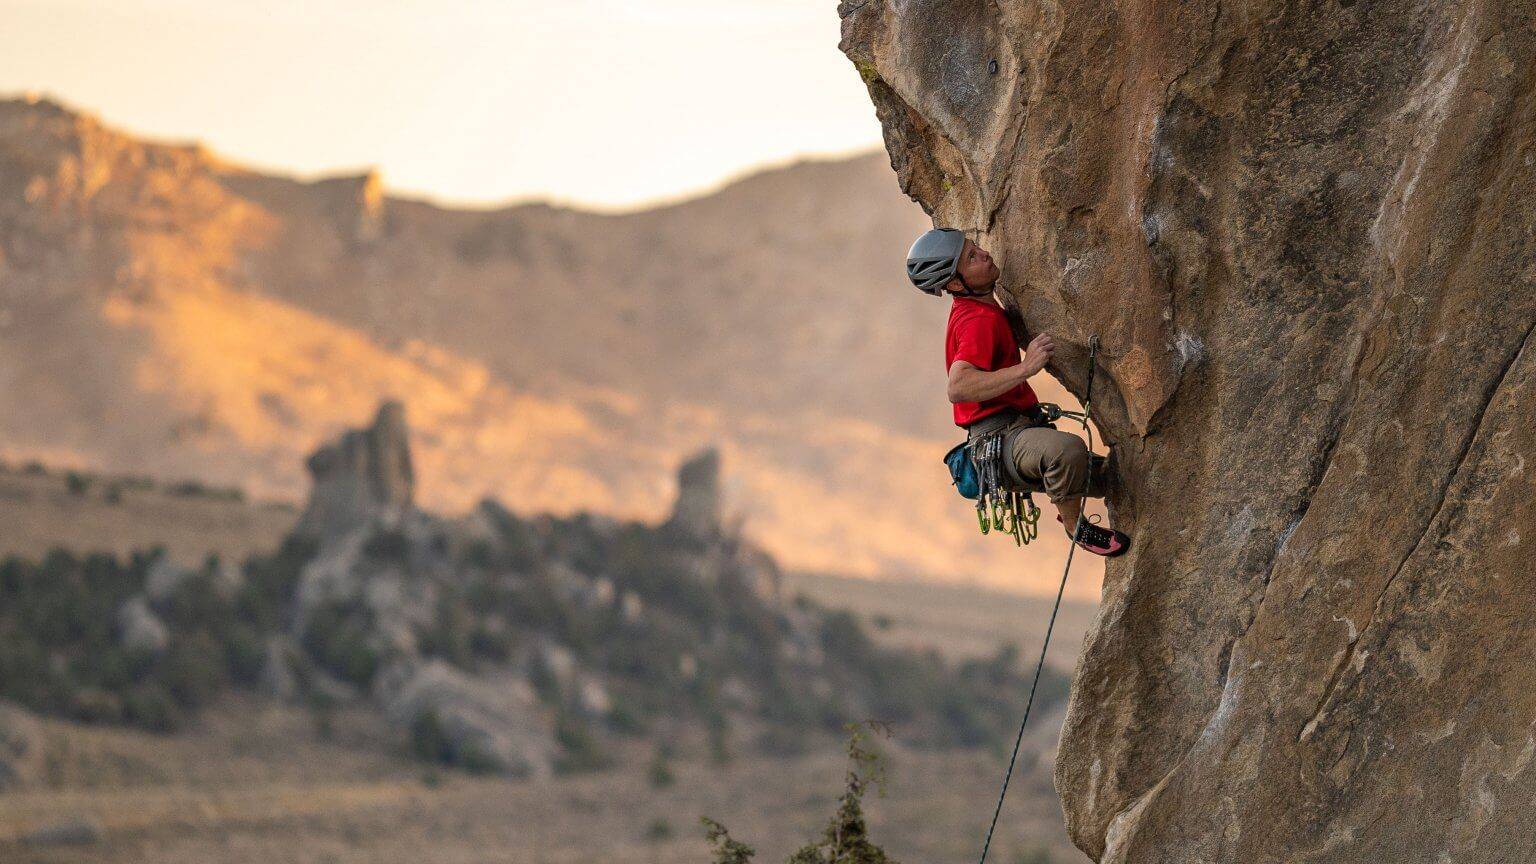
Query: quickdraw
point(999, 507)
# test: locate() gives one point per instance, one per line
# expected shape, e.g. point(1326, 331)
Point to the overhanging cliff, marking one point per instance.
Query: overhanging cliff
point(1304, 232)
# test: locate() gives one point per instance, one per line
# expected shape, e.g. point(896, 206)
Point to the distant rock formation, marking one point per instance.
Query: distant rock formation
point(364, 476)
point(697, 519)
point(484, 725)
point(358, 205)
point(696, 511)
point(1303, 233)
point(140, 630)
point(383, 561)
point(21, 747)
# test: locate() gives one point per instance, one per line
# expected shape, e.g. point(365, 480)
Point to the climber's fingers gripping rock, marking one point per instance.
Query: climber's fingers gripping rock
point(1039, 352)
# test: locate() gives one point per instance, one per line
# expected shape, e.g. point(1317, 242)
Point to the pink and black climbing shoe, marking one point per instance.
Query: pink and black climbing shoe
point(1100, 541)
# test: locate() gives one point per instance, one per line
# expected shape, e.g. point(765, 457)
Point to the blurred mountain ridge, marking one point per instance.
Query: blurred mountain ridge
point(166, 312)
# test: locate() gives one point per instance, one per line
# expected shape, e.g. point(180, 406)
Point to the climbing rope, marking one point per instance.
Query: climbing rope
point(1077, 531)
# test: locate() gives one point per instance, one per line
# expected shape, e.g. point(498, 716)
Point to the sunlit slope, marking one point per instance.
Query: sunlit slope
point(165, 313)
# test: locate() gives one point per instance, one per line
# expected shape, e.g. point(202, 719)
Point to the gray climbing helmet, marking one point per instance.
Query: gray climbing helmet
point(933, 259)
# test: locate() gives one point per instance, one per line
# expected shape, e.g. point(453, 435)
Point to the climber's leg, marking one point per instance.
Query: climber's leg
point(1053, 461)
point(1058, 462)
point(1068, 510)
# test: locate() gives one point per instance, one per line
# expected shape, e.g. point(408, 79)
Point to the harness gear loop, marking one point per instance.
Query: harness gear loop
point(1077, 533)
point(1000, 504)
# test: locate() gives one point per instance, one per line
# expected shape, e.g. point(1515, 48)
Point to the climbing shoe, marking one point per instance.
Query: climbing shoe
point(1100, 541)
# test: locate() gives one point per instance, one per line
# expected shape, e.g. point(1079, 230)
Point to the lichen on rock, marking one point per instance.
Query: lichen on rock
point(1302, 233)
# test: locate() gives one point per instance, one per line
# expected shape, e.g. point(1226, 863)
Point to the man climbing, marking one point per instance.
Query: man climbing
point(988, 383)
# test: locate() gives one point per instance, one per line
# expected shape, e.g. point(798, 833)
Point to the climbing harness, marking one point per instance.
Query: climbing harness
point(980, 467)
point(1077, 532)
point(1000, 505)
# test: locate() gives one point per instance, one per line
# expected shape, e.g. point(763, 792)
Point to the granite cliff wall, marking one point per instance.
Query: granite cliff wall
point(1304, 232)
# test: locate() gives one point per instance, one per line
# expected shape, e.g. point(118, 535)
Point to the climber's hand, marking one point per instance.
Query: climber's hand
point(1038, 353)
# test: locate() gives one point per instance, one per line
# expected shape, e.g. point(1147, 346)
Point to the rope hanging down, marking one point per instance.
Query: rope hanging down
point(1093, 352)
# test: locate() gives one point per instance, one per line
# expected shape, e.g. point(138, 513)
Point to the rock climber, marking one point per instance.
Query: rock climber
point(989, 384)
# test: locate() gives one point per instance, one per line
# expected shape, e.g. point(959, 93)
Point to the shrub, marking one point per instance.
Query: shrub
point(428, 740)
point(270, 582)
point(452, 634)
point(519, 547)
point(658, 831)
point(623, 719)
point(845, 840)
point(579, 748)
point(193, 670)
point(337, 637)
point(149, 706)
point(245, 654)
point(719, 738)
point(724, 848)
point(197, 489)
point(388, 546)
point(660, 771)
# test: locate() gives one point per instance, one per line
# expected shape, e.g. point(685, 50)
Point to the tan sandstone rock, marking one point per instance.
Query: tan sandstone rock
point(363, 478)
point(1303, 232)
point(696, 510)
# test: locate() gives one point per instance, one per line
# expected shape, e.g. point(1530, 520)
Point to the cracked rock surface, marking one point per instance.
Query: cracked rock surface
point(1305, 233)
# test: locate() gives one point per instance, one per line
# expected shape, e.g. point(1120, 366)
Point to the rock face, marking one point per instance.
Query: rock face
point(696, 512)
point(1303, 233)
point(489, 725)
point(366, 475)
point(140, 629)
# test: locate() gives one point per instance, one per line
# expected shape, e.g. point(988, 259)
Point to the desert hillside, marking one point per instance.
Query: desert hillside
point(167, 313)
point(384, 683)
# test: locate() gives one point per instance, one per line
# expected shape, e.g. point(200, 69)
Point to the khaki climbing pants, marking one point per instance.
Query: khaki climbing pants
point(1050, 460)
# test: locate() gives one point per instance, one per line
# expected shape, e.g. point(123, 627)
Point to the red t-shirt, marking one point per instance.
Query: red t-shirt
point(979, 334)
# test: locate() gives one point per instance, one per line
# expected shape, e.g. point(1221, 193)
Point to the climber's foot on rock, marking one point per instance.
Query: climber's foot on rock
point(1100, 541)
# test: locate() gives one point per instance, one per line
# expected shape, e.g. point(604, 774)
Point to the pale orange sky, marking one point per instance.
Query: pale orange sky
point(607, 103)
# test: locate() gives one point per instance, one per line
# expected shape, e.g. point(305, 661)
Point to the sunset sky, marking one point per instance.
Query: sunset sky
point(606, 103)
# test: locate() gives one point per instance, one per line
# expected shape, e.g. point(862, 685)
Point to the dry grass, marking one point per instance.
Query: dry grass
point(257, 785)
point(39, 513)
point(962, 621)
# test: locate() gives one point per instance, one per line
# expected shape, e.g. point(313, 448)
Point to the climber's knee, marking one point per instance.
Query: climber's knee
point(1066, 473)
point(1053, 460)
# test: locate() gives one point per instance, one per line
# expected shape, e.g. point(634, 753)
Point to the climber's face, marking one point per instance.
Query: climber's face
point(977, 267)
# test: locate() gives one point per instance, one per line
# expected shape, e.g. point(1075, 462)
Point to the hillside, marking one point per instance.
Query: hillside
point(490, 642)
point(167, 313)
point(119, 515)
